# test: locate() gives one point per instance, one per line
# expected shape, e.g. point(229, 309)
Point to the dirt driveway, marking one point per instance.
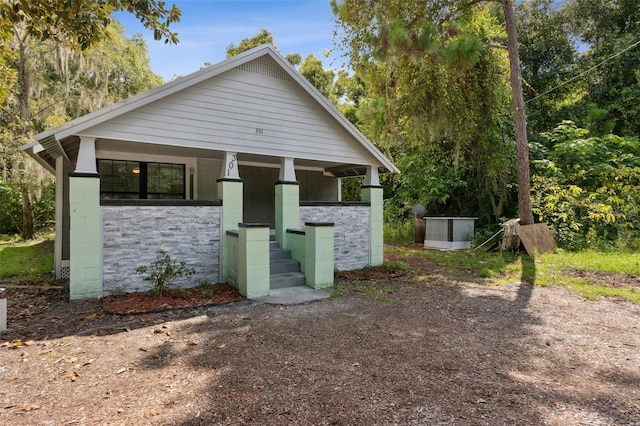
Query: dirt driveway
point(459, 354)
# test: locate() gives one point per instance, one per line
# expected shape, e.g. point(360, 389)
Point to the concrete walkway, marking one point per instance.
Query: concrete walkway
point(293, 295)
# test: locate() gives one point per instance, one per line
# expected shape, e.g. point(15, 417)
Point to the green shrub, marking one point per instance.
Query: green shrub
point(163, 272)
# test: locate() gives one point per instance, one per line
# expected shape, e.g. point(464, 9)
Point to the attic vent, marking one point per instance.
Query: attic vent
point(265, 66)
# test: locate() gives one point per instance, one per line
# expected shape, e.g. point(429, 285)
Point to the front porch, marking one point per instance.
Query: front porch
point(109, 238)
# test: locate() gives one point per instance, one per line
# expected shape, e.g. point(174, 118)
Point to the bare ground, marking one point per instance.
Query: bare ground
point(402, 351)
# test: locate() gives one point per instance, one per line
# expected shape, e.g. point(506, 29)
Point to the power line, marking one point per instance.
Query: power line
point(584, 72)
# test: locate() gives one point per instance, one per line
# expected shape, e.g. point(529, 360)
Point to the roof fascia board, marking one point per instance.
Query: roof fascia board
point(30, 149)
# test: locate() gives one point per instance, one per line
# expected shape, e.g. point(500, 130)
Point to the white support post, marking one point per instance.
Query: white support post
point(3, 309)
point(87, 156)
point(372, 178)
point(230, 166)
point(287, 170)
point(57, 250)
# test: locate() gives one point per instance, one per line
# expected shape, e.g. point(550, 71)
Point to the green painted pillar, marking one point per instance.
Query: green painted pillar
point(253, 260)
point(373, 195)
point(85, 237)
point(319, 255)
point(287, 209)
point(230, 192)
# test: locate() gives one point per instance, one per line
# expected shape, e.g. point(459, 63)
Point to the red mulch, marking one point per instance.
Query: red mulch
point(144, 302)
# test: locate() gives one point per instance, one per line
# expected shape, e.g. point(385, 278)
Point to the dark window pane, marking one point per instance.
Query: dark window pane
point(127, 179)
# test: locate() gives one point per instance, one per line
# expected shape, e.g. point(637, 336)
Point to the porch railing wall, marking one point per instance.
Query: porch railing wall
point(133, 232)
point(351, 229)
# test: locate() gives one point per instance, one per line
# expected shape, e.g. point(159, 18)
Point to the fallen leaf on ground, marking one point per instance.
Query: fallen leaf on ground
point(31, 407)
point(222, 345)
point(150, 413)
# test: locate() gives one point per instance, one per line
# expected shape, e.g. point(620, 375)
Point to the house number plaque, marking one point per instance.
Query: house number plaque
point(232, 164)
point(259, 131)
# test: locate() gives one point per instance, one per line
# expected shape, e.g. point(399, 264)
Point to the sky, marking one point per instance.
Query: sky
point(207, 27)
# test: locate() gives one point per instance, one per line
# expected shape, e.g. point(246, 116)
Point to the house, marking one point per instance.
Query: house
point(208, 168)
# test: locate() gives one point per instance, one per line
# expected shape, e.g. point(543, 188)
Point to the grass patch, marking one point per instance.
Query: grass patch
point(460, 265)
point(380, 291)
point(27, 262)
point(498, 268)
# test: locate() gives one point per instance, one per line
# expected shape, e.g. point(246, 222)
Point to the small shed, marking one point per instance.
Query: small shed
point(449, 233)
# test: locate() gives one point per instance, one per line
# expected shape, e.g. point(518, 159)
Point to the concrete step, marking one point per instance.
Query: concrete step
point(278, 253)
point(279, 266)
point(273, 244)
point(287, 279)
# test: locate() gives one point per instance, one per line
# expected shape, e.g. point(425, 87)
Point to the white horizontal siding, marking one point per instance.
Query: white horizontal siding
point(223, 114)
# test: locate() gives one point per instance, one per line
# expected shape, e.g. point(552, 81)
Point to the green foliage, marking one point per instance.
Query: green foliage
point(11, 208)
point(396, 266)
point(587, 187)
point(380, 291)
point(57, 84)
point(84, 23)
point(209, 289)
point(398, 230)
point(262, 37)
point(435, 103)
point(163, 272)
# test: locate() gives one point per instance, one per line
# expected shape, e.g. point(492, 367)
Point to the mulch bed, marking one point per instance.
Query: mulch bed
point(145, 302)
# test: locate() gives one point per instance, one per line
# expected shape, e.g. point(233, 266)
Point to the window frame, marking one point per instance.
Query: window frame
point(143, 188)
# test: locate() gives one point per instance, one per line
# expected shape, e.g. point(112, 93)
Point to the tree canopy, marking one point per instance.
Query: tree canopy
point(59, 60)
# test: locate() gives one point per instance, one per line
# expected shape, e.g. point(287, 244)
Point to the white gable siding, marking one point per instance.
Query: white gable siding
point(224, 113)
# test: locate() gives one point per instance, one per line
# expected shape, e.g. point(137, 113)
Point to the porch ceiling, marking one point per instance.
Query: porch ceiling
point(337, 169)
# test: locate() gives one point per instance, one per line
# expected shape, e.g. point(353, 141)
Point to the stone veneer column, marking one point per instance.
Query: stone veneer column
point(85, 279)
point(373, 195)
point(319, 256)
point(253, 260)
point(230, 192)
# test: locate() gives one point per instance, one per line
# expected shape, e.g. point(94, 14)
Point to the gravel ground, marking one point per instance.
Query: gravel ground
point(402, 352)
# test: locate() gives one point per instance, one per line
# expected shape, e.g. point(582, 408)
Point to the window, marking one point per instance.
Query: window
point(141, 180)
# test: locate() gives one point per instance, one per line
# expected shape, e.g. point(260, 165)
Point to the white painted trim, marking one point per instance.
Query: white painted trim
point(277, 166)
point(230, 166)
point(287, 170)
point(86, 156)
point(59, 214)
point(372, 178)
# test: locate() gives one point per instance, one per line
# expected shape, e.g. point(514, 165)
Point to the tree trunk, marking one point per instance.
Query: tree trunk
point(28, 231)
point(519, 117)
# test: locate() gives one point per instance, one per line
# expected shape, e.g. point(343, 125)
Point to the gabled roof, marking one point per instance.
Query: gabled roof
point(48, 144)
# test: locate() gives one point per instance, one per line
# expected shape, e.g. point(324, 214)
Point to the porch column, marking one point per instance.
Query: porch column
point(372, 192)
point(253, 260)
point(287, 201)
point(230, 189)
point(85, 280)
point(319, 255)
